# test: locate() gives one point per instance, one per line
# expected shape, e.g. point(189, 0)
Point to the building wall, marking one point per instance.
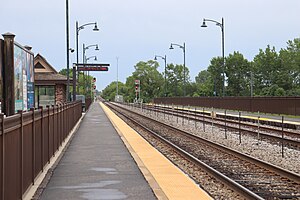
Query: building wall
point(60, 94)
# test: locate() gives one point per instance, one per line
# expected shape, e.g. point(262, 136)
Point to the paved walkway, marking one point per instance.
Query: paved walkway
point(97, 165)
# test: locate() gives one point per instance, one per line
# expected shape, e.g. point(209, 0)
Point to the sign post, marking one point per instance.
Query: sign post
point(87, 67)
point(137, 86)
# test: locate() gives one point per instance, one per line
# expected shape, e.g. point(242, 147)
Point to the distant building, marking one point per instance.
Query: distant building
point(50, 86)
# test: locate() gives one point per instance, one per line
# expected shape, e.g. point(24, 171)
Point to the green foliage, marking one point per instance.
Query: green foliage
point(85, 82)
point(216, 71)
point(110, 91)
point(151, 81)
point(271, 73)
point(238, 72)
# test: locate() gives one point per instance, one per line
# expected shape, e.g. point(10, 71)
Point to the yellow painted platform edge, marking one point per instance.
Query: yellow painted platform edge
point(159, 193)
point(154, 184)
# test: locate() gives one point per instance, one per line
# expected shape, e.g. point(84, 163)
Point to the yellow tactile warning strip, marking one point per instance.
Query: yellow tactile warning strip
point(171, 180)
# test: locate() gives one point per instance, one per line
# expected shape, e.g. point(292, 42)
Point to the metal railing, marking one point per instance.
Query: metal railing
point(88, 102)
point(28, 141)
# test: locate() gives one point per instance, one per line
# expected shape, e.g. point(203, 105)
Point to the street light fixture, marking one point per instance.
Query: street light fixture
point(84, 61)
point(78, 28)
point(183, 48)
point(165, 59)
point(221, 25)
point(88, 85)
point(95, 58)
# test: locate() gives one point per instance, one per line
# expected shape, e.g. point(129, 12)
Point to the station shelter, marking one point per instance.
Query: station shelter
point(50, 86)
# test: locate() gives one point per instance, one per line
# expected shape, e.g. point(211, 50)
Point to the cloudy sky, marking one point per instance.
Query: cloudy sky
point(136, 30)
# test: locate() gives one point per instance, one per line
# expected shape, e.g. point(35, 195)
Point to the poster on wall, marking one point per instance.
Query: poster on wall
point(19, 61)
point(30, 81)
point(24, 79)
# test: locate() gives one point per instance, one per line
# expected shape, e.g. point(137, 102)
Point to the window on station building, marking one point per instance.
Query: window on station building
point(45, 95)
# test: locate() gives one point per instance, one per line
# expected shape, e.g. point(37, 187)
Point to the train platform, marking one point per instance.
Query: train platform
point(106, 159)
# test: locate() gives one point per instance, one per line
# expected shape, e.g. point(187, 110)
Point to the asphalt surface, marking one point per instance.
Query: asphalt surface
point(97, 165)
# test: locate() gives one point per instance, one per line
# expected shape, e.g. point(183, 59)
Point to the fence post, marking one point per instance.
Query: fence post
point(195, 118)
point(212, 120)
point(59, 125)
point(240, 136)
point(177, 114)
point(282, 145)
point(48, 107)
point(21, 152)
point(42, 134)
point(203, 120)
point(3, 155)
point(53, 132)
point(258, 124)
point(33, 144)
point(74, 114)
point(225, 125)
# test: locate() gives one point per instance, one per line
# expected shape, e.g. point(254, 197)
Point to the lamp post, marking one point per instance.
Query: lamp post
point(68, 49)
point(78, 28)
point(183, 48)
point(221, 25)
point(83, 53)
point(86, 59)
point(165, 59)
point(117, 76)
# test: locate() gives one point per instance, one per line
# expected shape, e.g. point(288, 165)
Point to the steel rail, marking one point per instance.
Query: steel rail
point(218, 175)
point(244, 130)
point(284, 174)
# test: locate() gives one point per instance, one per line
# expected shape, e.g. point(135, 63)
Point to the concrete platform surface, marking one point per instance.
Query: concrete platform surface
point(97, 165)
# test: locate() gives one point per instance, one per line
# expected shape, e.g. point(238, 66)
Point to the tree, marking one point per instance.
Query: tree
point(290, 63)
point(175, 78)
point(84, 83)
point(238, 72)
point(151, 81)
point(216, 71)
point(110, 91)
point(204, 84)
point(266, 68)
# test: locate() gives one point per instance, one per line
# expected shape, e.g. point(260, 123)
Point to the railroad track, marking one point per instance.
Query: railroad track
point(289, 139)
point(252, 178)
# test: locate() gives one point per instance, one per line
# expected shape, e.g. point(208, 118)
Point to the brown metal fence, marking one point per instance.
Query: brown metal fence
point(88, 102)
point(28, 141)
point(277, 105)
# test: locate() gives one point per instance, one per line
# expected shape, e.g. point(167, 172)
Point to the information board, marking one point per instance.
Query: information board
point(24, 78)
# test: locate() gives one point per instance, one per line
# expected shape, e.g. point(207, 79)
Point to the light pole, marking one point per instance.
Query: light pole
point(83, 53)
point(78, 28)
point(183, 48)
point(68, 49)
point(165, 59)
point(221, 25)
point(86, 59)
point(117, 76)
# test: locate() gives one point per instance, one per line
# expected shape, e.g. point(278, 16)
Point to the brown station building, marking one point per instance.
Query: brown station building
point(50, 86)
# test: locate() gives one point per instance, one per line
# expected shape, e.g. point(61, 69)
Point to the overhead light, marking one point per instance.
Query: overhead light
point(97, 48)
point(203, 24)
point(171, 47)
point(155, 58)
point(96, 27)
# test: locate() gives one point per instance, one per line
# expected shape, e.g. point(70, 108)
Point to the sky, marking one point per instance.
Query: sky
point(137, 30)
